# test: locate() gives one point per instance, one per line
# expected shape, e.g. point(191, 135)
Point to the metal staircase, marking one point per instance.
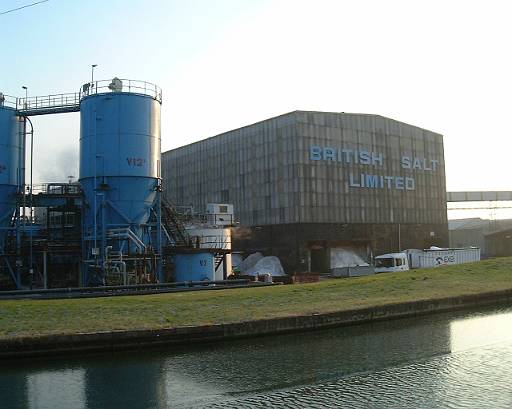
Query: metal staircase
point(218, 259)
point(220, 246)
point(173, 226)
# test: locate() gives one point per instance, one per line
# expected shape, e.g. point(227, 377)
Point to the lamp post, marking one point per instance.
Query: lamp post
point(92, 72)
point(26, 95)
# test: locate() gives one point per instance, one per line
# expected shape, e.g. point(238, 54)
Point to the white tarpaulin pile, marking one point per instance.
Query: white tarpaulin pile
point(345, 258)
point(266, 265)
point(249, 262)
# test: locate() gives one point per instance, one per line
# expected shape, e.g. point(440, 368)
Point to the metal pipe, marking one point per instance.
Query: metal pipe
point(20, 189)
point(23, 170)
point(96, 156)
point(126, 287)
point(103, 231)
point(31, 200)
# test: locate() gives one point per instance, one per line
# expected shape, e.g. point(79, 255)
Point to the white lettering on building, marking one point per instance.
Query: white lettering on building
point(374, 159)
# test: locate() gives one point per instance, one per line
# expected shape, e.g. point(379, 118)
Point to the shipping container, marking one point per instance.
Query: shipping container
point(439, 257)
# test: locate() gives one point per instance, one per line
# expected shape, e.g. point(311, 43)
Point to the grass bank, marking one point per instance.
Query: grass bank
point(25, 318)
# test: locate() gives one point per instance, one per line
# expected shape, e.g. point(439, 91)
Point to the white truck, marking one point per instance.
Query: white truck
point(433, 257)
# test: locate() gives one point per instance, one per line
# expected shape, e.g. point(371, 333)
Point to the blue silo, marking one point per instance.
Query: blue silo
point(11, 158)
point(120, 176)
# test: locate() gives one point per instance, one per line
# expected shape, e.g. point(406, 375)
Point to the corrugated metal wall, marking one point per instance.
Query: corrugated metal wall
point(266, 171)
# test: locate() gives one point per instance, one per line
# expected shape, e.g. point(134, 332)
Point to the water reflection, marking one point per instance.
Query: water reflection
point(124, 382)
point(101, 381)
point(446, 381)
point(354, 363)
point(44, 388)
point(13, 389)
point(278, 362)
point(480, 330)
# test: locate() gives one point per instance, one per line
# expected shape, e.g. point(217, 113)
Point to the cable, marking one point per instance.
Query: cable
point(24, 7)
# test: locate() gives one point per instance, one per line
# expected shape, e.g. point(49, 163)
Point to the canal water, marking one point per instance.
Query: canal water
point(449, 360)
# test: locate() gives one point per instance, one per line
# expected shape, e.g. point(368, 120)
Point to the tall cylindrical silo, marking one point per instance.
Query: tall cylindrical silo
point(119, 169)
point(10, 166)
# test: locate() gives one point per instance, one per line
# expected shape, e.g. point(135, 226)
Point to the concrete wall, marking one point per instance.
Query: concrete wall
point(135, 340)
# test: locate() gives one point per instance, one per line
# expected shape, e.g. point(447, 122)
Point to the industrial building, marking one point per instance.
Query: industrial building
point(110, 228)
point(319, 189)
point(499, 243)
point(492, 236)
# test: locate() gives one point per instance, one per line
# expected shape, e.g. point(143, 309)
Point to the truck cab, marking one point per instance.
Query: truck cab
point(389, 263)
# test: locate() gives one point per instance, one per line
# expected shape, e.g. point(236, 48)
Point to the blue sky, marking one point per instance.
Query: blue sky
point(222, 64)
point(52, 46)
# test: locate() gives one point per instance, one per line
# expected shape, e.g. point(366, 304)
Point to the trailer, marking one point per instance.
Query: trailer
point(433, 257)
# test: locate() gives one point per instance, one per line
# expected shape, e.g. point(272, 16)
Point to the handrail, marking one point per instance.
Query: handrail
point(48, 101)
point(215, 241)
point(121, 85)
point(57, 189)
point(210, 219)
point(73, 99)
point(8, 101)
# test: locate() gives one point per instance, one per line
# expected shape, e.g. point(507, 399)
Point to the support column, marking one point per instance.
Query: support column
point(45, 274)
point(159, 271)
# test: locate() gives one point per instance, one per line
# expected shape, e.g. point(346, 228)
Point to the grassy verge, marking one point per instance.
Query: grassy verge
point(42, 317)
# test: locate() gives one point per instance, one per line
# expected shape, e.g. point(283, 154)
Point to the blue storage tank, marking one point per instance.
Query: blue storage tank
point(119, 161)
point(10, 166)
point(194, 267)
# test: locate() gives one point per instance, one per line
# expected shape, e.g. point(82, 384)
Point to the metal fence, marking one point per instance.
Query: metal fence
point(121, 85)
point(71, 101)
point(57, 189)
point(8, 101)
point(45, 102)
